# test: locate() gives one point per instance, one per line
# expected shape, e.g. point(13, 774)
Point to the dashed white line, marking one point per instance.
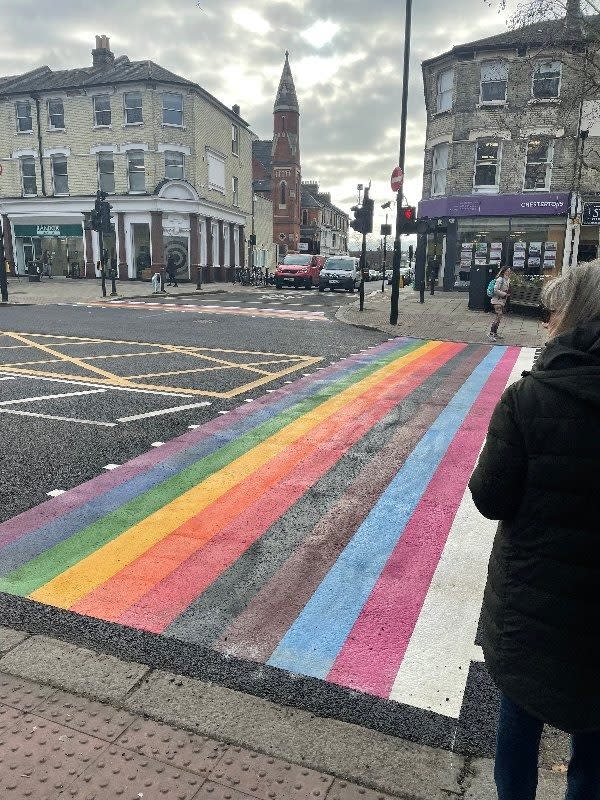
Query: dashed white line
point(50, 396)
point(60, 419)
point(99, 385)
point(157, 444)
point(162, 411)
point(56, 492)
point(111, 466)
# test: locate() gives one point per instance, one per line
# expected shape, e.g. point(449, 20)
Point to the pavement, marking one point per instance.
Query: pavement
point(235, 576)
point(445, 316)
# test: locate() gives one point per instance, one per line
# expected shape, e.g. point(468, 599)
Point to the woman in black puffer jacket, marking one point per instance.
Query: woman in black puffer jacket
point(539, 473)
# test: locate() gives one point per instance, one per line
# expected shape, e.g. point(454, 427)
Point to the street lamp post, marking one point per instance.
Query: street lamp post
point(3, 280)
point(397, 245)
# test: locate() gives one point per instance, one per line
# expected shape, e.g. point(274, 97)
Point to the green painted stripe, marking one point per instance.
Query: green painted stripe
point(62, 556)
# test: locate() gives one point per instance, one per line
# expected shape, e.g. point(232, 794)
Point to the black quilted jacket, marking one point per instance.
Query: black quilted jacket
point(539, 473)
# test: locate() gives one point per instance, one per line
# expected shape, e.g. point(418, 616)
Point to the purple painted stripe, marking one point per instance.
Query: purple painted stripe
point(84, 504)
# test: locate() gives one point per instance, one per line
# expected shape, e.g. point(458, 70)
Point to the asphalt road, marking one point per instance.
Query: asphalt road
point(41, 454)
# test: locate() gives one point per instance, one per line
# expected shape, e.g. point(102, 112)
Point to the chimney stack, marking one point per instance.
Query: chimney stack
point(236, 109)
point(102, 56)
point(574, 9)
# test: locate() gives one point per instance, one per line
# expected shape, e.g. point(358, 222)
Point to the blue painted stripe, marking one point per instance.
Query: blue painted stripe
point(29, 546)
point(315, 639)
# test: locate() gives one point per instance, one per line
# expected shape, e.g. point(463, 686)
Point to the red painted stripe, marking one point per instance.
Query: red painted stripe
point(159, 607)
point(256, 632)
point(372, 654)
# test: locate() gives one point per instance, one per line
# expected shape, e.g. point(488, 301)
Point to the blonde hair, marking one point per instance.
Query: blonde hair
point(574, 298)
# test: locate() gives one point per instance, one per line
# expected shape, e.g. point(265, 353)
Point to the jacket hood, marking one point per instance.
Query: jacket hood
point(571, 363)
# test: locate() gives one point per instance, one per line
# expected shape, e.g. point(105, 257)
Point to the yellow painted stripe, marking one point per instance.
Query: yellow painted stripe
point(68, 588)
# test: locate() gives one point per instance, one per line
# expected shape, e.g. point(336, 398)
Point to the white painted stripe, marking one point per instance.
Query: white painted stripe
point(157, 444)
point(98, 385)
point(162, 411)
point(111, 466)
point(51, 396)
point(7, 378)
point(56, 492)
point(60, 419)
point(434, 672)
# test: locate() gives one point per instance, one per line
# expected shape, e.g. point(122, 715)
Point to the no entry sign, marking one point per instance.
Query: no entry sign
point(397, 179)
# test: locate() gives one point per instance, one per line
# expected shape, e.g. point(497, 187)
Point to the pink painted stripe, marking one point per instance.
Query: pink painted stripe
point(372, 654)
point(57, 507)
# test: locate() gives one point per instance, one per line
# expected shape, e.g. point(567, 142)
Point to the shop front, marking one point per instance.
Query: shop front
point(588, 246)
point(524, 231)
point(57, 248)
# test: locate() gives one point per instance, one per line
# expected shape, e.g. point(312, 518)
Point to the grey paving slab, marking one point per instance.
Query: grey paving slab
point(375, 760)
point(73, 668)
point(480, 783)
point(10, 638)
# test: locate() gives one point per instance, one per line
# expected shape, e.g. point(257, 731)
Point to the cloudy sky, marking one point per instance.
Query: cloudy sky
point(346, 57)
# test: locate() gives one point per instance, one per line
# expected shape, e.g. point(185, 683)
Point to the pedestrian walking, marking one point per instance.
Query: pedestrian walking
point(538, 475)
point(47, 264)
point(499, 297)
point(172, 270)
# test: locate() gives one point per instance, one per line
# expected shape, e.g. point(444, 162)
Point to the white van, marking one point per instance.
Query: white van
point(340, 272)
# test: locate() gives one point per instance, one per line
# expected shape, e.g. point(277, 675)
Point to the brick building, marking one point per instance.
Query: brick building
point(176, 163)
point(503, 149)
point(303, 217)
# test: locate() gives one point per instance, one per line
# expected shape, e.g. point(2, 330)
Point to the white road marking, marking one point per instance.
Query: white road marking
point(56, 492)
point(7, 378)
point(434, 672)
point(51, 396)
point(60, 419)
point(223, 412)
point(249, 400)
point(111, 466)
point(98, 385)
point(162, 411)
point(157, 444)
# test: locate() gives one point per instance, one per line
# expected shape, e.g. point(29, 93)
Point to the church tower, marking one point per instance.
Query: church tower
point(285, 174)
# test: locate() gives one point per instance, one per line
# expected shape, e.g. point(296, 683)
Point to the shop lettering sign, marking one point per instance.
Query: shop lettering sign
point(591, 214)
point(498, 205)
point(48, 230)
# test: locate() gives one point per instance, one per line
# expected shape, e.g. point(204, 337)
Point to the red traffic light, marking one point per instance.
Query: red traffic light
point(409, 213)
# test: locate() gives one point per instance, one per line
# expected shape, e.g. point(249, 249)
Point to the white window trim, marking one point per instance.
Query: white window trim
point(49, 127)
point(17, 154)
point(483, 102)
point(132, 124)
point(24, 100)
point(183, 164)
point(439, 110)
point(433, 170)
point(124, 148)
point(548, 171)
point(112, 152)
point(129, 189)
point(95, 125)
point(489, 189)
point(104, 148)
point(172, 124)
point(54, 192)
point(535, 99)
point(175, 148)
point(57, 151)
point(28, 155)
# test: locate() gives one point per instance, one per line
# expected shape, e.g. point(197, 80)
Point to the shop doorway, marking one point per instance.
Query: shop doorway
point(176, 249)
point(587, 251)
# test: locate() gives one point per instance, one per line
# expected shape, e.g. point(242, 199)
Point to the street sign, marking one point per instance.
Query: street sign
point(386, 230)
point(397, 179)
point(591, 214)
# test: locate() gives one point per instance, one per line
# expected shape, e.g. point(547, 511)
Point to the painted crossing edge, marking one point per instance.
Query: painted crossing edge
point(39, 516)
point(315, 639)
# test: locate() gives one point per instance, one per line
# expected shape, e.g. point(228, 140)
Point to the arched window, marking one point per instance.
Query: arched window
point(282, 199)
point(305, 217)
point(283, 124)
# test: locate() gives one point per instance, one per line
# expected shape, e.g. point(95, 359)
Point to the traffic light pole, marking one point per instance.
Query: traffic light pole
point(3, 280)
point(102, 270)
point(397, 244)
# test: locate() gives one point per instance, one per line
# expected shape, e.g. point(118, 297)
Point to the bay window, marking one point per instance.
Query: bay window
point(487, 164)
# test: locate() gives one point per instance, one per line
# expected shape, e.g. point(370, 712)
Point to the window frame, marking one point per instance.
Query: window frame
point(504, 80)
point(217, 160)
point(130, 154)
point(178, 111)
point(54, 159)
point(435, 170)
point(179, 154)
point(127, 108)
point(235, 139)
point(439, 93)
point(52, 127)
point(235, 191)
point(282, 194)
point(549, 163)
point(534, 71)
point(104, 111)
point(29, 159)
point(102, 154)
point(487, 188)
point(18, 118)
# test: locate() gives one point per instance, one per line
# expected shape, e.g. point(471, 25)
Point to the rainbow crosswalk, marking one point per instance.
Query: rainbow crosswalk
point(306, 531)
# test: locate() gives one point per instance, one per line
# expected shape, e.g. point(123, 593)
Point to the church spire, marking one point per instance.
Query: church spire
point(286, 99)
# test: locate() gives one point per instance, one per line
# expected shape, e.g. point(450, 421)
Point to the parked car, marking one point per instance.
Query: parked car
point(405, 272)
point(299, 269)
point(375, 275)
point(340, 272)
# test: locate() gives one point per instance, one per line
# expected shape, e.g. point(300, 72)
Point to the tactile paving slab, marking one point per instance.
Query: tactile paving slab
point(39, 759)
point(8, 718)
point(342, 790)
point(268, 778)
point(123, 775)
point(21, 693)
point(176, 747)
point(214, 791)
point(96, 719)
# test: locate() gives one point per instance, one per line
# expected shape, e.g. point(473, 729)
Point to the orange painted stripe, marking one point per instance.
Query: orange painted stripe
point(126, 587)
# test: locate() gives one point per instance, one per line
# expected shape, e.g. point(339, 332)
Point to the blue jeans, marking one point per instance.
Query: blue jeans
point(517, 750)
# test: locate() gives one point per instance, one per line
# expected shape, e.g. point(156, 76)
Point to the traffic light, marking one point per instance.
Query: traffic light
point(408, 219)
point(357, 222)
point(363, 216)
point(105, 223)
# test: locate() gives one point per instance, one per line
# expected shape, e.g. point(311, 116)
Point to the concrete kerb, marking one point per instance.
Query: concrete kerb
point(349, 752)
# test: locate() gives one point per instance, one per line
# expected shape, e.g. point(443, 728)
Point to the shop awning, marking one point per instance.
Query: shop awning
point(49, 229)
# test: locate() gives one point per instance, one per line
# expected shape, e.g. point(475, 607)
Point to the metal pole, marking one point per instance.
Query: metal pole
point(397, 244)
point(384, 256)
point(363, 267)
point(3, 281)
point(102, 270)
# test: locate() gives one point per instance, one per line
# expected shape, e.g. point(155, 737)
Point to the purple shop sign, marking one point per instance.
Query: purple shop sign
point(496, 205)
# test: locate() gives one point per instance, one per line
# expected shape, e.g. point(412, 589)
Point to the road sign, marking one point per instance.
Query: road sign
point(397, 179)
point(591, 214)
